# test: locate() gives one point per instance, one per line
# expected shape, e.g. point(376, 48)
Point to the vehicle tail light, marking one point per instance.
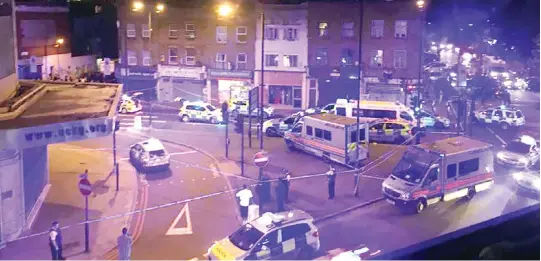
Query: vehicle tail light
point(409, 132)
point(315, 234)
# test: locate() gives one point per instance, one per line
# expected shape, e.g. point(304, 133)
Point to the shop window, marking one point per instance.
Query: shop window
point(271, 60)
point(190, 32)
point(280, 95)
point(221, 61)
point(173, 55)
point(221, 34)
point(242, 34)
point(173, 31)
point(190, 55)
point(241, 61)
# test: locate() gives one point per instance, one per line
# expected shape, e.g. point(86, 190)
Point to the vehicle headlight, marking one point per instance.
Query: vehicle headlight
point(506, 75)
point(507, 83)
point(453, 74)
point(500, 155)
point(493, 74)
point(405, 195)
point(537, 183)
point(523, 161)
point(518, 176)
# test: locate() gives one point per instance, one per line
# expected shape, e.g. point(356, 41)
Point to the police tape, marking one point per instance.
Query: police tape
point(177, 202)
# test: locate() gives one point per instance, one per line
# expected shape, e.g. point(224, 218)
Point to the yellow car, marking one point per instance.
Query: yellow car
point(394, 131)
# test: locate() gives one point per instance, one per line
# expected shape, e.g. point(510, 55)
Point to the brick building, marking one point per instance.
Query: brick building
point(390, 48)
point(190, 51)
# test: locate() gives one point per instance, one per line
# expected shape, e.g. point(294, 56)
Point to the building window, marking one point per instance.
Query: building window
point(399, 59)
point(242, 34)
point(271, 33)
point(190, 31)
point(173, 31)
point(241, 61)
point(376, 58)
point(346, 57)
point(145, 31)
point(146, 58)
point(290, 60)
point(401, 29)
point(322, 56)
point(271, 60)
point(132, 58)
point(130, 31)
point(190, 55)
point(172, 55)
point(221, 34)
point(290, 34)
point(348, 30)
point(323, 28)
point(221, 61)
point(377, 29)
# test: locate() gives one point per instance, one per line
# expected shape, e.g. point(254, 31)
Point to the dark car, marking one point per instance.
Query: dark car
point(277, 127)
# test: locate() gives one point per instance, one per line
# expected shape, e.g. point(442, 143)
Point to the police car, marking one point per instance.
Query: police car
point(130, 103)
point(277, 127)
point(325, 109)
point(240, 106)
point(431, 120)
point(200, 111)
point(521, 152)
point(394, 131)
point(504, 116)
point(280, 236)
point(149, 154)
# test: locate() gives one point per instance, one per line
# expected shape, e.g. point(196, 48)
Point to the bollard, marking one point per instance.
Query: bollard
point(137, 122)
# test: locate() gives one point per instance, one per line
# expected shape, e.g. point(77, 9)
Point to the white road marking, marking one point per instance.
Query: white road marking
point(187, 230)
point(497, 136)
point(215, 172)
point(182, 153)
point(124, 158)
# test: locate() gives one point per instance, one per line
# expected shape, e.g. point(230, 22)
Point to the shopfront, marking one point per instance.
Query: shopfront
point(288, 90)
point(183, 82)
point(140, 79)
point(225, 85)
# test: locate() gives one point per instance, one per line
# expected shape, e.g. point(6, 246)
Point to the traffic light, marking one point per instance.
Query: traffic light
point(239, 125)
point(225, 113)
point(410, 89)
point(414, 102)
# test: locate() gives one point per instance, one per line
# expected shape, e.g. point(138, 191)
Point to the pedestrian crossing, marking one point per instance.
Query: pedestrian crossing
point(127, 120)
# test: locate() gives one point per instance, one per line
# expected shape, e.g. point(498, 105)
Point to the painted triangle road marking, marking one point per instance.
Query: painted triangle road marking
point(187, 230)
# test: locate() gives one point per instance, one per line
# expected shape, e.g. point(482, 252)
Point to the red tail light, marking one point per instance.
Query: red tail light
point(315, 234)
point(409, 132)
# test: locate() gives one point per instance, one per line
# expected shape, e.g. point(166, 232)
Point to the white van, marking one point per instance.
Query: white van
point(376, 110)
point(440, 171)
point(331, 137)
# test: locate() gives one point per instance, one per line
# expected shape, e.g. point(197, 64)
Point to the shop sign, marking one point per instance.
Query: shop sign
point(214, 73)
point(194, 73)
point(55, 133)
point(141, 71)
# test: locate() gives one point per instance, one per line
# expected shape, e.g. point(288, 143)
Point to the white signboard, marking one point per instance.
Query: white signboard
point(55, 133)
point(196, 73)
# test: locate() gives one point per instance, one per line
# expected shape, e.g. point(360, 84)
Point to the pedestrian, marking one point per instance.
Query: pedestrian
point(286, 180)
point(280, 196)
point(244, 195)
point(55, 241)
point(441, 96)
point(124, 243)
point(331, 179)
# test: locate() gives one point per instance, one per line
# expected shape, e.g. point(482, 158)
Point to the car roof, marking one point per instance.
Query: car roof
point(151, 144)
point(269, 221)
point(196, 103)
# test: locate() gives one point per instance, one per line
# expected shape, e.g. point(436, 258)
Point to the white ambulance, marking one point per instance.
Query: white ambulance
point(376, 110)
point(440, 171)
point(331, 137)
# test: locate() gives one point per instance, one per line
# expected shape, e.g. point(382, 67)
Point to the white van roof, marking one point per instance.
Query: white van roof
point(339, 120)
point(370, 103)
point(454, 145)
point(152, 144)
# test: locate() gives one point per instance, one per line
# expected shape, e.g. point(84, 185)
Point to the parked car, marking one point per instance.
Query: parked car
point(434, 121)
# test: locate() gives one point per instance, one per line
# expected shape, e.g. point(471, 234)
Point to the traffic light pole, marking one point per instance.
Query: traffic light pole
point(241, 119)
point(418, 105)
point(357, 163)
point(225, 118)
point(262, 90)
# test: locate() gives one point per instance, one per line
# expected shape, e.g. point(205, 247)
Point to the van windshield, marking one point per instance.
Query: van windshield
point(412, 167)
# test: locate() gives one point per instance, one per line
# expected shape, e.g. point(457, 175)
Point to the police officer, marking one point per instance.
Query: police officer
point(331, 178)
point(286, 182)
point(55, 241)
point(280, 196)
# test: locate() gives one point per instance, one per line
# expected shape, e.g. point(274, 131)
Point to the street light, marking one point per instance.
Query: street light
point(137, 6)
point(421, 4)
point(225, 10)
point(59, 42)
point(160, 8)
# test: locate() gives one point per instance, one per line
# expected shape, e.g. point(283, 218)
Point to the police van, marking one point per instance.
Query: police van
point(376, 110)
point(288, 235)
point(440, 171)
point(331, 137)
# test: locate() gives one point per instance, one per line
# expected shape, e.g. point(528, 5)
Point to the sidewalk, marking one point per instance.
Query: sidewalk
point(65, 204)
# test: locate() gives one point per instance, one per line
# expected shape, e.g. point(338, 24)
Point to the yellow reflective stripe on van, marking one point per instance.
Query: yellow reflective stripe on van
point(352, 146)
point(221, 253)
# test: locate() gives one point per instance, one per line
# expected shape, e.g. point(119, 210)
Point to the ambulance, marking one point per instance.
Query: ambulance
point(444, 170)
point(376, 110)
point(332, 137)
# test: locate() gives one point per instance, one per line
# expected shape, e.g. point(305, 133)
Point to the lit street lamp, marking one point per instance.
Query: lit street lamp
point(59, 42)
point(421, 4)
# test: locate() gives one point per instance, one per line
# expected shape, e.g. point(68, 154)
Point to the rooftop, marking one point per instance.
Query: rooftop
point(54, 102)
point(454, 145)
point(340, 120)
